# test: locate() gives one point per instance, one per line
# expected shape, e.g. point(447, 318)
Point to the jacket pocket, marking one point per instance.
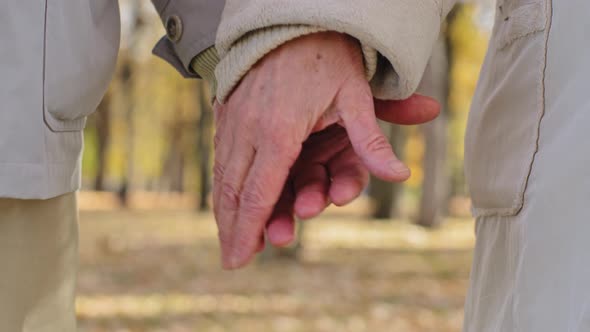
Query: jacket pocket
point(81, 46)
point(524, 20)
point(504, 123)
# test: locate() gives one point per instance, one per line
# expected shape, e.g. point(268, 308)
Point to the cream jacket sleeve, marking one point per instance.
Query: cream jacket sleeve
point(397, 36)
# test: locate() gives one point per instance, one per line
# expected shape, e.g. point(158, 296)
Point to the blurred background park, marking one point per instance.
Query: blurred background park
point(398, 259)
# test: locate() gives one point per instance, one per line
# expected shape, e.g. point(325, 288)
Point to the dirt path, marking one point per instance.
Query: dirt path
point(159, 271)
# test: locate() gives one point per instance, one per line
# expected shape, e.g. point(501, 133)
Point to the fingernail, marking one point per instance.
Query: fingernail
point(400, 168)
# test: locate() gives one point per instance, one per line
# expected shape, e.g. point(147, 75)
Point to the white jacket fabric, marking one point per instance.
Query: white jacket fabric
point(402, 31)
point(529, 174)
point(526, 162)
point(504, 124)
point(56, 61)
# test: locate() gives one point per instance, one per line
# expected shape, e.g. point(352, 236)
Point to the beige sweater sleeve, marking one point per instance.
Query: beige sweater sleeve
point(402, 32)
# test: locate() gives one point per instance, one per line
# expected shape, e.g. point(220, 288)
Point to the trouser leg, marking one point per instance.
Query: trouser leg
point(38, 263)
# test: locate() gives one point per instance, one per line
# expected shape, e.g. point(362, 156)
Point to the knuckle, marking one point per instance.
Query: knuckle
point(253, 199)
point(377, 143)
point(218, 170)
point(216, 140)
point(230, 197)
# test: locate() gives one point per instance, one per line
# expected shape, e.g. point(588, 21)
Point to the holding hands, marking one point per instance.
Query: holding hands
point(298, 133)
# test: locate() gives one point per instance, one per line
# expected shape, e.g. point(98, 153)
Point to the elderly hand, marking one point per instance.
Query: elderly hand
point(329, 171)
point(303, 87)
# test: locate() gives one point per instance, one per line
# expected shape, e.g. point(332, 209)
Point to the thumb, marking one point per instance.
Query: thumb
point(357, 111)
point(415, 110)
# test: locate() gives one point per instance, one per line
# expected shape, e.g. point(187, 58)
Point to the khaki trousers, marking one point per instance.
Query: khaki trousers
point(38, 259)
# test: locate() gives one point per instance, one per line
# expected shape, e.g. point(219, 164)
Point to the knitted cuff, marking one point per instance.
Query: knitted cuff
point(244, 54)
point(204, 65)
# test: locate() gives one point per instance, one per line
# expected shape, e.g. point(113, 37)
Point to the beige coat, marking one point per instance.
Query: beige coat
point(502, 136)
point(56, 61)
point(526, 155)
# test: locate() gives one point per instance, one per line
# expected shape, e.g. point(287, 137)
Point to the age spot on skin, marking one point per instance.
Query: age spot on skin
point(319, 56)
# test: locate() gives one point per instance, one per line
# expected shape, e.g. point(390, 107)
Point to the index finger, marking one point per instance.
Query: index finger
point(260, 194)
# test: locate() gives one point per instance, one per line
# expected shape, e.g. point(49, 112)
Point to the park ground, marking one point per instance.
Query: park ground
point(158, 270)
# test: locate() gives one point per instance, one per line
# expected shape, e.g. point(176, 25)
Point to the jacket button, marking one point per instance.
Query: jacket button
point(174, 28)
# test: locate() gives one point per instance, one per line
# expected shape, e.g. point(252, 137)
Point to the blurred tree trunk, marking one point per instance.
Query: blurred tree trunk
point(128, 102)
point(386, 195)
point(127, 92)
point(204, 145)
point(174, 163)
point(457, 182)
point(435, 186)
point(102, 122)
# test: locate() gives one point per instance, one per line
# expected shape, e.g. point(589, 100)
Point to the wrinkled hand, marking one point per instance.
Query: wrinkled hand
point(303, 87)
point(329, 171)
